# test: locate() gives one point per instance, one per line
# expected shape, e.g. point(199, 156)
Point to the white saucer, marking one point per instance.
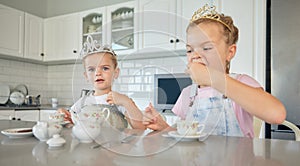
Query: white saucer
point(17, 132)
point(179, 137)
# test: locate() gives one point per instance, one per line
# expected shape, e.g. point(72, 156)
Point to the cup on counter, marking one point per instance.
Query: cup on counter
point(189, 127)
point(54, 102)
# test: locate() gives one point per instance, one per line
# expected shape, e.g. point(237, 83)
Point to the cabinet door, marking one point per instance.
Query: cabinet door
point(44, 114)
point(62, 37)
point(157, 22)
point(33, 37)
point(7, 114)
point(27, 115)
point(12, 31)
point(93, 22)
point(122, 27)
point(185, 11)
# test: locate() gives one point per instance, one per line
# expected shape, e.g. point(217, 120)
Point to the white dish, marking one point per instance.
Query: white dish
point(179, 137)
point(4, 93)
point(22, 88)
point(17, 98)
point(17, 132)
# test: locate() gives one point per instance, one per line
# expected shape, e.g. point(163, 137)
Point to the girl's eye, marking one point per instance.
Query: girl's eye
point(91, 69)
point(105, 68)
point(188, 51)
point(207, 48)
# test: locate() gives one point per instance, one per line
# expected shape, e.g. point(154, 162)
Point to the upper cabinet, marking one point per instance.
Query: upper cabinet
point(33, 37)
point(93, 22)
point(12, 31)
point(61, 37)
point(163, 23)
point(157, 22)
point(122, 27)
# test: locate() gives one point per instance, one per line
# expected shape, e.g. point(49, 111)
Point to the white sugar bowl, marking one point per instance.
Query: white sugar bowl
point(45, 130)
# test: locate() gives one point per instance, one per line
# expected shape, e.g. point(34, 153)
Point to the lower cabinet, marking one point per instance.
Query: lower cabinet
point(6, 114)
point(27, 115)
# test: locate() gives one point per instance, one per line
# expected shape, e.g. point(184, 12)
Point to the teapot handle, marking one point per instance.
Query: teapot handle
point(108, 113)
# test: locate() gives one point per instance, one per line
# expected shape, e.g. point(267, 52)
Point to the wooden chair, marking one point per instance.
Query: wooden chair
point(259, 128)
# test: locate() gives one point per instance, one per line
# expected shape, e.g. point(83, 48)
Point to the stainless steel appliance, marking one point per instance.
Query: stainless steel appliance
point(283, 60)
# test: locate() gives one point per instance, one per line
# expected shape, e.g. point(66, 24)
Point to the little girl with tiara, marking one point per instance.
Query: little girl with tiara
point(100, 69)
point(211, 45)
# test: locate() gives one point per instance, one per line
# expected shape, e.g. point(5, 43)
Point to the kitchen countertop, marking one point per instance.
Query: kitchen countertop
point(148, 148)
point(41, 107)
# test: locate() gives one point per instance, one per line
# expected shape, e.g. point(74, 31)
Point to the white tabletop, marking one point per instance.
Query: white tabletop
point(147, 149)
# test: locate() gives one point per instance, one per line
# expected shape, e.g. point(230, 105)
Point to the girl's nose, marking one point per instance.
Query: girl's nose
point(98, 72)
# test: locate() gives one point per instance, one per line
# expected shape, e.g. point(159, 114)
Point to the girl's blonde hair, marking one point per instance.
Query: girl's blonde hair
point(113, 57)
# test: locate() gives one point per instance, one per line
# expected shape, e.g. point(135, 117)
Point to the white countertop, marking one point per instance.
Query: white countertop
point(148, 149)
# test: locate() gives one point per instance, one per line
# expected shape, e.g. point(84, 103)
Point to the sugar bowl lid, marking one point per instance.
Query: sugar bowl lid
point(56, 141)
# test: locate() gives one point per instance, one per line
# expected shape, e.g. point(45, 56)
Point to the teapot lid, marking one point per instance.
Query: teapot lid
point(56, 141)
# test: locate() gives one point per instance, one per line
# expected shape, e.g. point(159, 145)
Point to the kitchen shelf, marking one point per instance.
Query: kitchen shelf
point(92, 34)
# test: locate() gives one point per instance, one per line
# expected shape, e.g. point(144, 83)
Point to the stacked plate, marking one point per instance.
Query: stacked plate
point(18, 95)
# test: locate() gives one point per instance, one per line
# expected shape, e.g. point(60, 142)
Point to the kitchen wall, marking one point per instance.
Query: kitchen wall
point(66, 81)
point(50, 8)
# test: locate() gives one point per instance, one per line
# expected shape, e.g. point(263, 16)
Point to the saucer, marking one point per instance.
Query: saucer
point(17, 132)
point(174, 134)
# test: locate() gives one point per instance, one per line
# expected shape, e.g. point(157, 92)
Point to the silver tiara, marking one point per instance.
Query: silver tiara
point(91, 46)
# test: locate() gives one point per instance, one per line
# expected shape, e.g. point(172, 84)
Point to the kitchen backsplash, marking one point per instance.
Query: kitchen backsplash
point(66, 81)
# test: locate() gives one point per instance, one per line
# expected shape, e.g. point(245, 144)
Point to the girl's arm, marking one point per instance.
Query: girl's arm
point(256, 101)
point(253, 100)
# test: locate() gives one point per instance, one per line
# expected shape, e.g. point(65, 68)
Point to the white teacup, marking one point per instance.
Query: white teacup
point(189, 127)
point(57, 117)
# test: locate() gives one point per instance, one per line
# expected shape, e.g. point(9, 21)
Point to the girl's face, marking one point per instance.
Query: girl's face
point(100, 71)
point(206, 45)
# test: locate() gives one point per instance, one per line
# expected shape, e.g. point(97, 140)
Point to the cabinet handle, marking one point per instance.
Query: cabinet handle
point(42, 54)
point(74, 51)
point(177, 40)
point(171, 41)
point(13, 118)
point(19, 119)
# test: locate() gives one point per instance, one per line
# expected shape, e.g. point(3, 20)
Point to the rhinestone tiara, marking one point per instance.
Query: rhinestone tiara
point(208, 12)
point(91, 46)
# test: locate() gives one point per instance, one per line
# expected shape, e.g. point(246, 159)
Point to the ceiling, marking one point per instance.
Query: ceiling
point(50, 8)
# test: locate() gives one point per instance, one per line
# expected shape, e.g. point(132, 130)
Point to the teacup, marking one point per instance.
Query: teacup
point(189, 127)
point(57, 117)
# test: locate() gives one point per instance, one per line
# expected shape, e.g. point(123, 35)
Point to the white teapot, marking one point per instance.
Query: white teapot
point(44, 130)
point(88, 122)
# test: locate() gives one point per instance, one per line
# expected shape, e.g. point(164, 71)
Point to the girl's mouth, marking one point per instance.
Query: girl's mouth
point(99, 80)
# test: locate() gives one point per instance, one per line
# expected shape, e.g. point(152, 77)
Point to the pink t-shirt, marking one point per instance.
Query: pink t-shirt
point(244, 118)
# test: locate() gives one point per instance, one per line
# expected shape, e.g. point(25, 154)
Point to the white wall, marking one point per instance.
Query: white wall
point(66, 81)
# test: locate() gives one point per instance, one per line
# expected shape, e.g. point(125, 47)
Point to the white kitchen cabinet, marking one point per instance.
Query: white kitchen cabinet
point(163, 23)
point(7, 114)
point(44, 114)
point(27, 115)
point(93, 22)
point(12, 31)
point(61, 37)
point(157, 23)
point(33, 37)
point(122, 27)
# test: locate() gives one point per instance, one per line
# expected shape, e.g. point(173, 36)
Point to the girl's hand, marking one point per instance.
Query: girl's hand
point(153, 120)
point(199, 73)
point(117, 98)
point(67, 114)
point(206, 76)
